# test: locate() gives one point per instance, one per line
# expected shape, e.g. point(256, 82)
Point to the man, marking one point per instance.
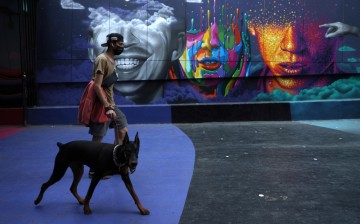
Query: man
point(104, 76)
point(154, 38)
point(293, 48)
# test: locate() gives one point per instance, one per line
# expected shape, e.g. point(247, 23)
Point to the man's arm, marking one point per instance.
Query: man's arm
point(99, 91)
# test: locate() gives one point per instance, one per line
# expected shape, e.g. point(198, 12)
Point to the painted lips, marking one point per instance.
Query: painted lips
point(209, 64)
point(292, 68)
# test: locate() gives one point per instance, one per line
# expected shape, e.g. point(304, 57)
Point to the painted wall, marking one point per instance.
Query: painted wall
point(199, 51)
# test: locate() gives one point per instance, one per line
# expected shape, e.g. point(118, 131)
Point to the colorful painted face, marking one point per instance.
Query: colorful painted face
point(293, 45)
point(215, 53)
point(209, 57)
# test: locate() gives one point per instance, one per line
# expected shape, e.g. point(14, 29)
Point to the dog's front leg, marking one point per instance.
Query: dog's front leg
point(125, 177)
point(95, 180)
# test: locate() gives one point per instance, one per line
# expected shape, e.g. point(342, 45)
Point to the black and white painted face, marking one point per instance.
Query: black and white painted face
point(147, 50)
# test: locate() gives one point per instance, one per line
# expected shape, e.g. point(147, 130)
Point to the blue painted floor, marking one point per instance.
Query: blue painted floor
point(244, 172)
point(162, 178)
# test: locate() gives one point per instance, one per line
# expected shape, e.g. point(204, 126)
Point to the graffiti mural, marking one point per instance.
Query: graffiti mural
point(296, 56)
point(200, 51)
point(217, 50)
point(151, 35)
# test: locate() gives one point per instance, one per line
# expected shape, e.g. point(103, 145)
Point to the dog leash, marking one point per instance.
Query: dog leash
point(116, 132)
point(117, 144)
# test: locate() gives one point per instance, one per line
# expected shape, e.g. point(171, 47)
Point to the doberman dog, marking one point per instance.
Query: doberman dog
point(105, 159)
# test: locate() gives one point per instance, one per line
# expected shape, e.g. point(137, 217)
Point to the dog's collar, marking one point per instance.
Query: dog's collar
point(117, 163)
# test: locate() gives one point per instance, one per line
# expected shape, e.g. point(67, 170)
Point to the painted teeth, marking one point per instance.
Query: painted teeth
point(210, 62)
point(127, 63)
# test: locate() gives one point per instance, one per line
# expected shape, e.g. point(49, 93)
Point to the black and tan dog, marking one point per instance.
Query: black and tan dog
point(105, 159)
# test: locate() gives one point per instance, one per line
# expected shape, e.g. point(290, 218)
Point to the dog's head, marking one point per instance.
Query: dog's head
point(127, 153)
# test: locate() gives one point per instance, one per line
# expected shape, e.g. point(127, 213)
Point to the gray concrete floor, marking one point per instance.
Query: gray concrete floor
point(274, 172)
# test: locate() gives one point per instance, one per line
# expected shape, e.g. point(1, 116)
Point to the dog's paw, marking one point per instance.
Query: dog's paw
point(87, 210)
point(37, 201)
point(144, 211)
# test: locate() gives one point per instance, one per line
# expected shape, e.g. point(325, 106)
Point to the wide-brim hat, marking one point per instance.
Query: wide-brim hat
point(112, 37)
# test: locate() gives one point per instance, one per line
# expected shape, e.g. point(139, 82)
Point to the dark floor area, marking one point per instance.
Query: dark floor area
point(272, 172)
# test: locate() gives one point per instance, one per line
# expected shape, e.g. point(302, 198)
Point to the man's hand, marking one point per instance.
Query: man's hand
point(110, 113)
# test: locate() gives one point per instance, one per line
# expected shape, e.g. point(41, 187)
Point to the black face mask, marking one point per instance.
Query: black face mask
point(118, 51)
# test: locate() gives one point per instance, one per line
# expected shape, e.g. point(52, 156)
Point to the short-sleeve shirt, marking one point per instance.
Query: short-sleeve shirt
point(106, 68)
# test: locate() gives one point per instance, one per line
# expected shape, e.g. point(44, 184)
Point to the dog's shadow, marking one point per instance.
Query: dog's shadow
point(54, 208)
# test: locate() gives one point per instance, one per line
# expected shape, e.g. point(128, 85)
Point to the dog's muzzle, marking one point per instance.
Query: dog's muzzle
point(132, 166)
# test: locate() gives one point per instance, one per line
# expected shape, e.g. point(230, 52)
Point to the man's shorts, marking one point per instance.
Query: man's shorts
point(100, 129)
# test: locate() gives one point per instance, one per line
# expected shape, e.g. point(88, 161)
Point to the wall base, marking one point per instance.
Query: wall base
point(12, 116)
point(197, 113)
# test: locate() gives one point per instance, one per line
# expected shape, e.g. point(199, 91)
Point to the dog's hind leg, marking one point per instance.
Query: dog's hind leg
point(78, 171)
point(60, 168)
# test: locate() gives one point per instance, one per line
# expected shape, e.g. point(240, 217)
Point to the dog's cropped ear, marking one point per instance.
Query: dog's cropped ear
point(137, 140)
point(126, 139)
